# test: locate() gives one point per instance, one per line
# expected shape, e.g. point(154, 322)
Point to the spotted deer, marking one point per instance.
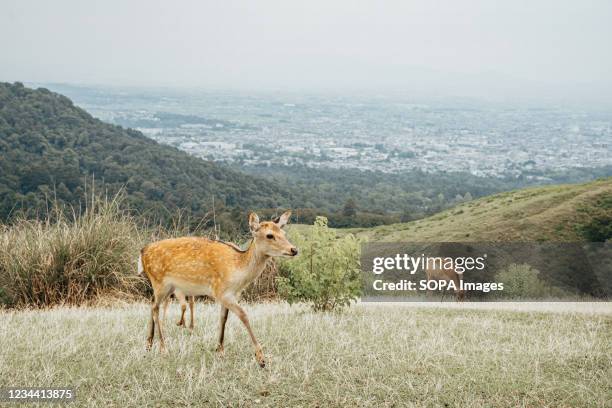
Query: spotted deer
point(197, 266)
point(447, 274)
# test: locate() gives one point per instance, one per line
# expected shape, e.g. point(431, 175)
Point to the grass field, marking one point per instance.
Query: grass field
point(372, 355)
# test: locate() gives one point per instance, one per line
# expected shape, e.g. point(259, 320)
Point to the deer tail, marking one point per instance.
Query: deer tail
point(140, 267)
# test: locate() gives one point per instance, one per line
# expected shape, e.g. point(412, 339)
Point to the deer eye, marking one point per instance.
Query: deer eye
point(270, 236)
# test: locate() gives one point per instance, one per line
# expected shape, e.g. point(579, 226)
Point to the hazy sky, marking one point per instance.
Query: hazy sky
point(487, 47)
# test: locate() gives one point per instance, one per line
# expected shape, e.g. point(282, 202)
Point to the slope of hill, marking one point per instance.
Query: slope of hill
point(49, 147)
point(572, 212)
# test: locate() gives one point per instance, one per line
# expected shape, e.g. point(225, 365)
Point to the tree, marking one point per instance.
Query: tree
point(406, 216)
point(350, 208)
point(327, 271)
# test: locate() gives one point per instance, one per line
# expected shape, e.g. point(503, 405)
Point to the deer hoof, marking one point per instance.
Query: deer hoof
point(220, 349)
point(260, 358)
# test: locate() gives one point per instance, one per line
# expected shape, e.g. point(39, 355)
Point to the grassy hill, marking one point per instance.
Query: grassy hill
point(572, 212)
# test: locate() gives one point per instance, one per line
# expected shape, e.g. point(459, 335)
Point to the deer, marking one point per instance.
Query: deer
point(446, 274)
point(183, 302)
point(197, 266)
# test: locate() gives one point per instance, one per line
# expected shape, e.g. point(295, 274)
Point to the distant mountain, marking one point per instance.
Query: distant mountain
point(49, 147)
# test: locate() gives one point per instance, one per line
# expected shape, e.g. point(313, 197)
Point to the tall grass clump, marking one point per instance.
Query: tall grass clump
point(70, 258)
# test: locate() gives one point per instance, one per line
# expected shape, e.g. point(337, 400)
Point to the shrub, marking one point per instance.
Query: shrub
point(521, 281)
point(69, 259)
point(598, 225)
point(327, 271)
point(598, 229)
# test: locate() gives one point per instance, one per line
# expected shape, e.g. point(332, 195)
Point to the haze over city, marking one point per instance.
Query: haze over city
point(555, 51)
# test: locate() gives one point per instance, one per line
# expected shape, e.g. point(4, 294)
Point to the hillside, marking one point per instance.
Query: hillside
point(556, 213)
point(49, 147)
point(407, 196)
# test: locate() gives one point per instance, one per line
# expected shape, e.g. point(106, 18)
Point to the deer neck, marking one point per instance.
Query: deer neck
point(253, 261)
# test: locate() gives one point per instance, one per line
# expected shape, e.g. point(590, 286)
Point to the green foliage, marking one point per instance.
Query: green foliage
point(50, 148)
point(599, 227)
point(350, 208)
point(524, 282)
point(327, 271)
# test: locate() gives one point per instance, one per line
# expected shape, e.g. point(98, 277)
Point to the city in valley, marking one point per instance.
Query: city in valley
point(391, 134)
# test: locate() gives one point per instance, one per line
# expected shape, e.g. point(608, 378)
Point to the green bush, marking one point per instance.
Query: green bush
point(598, 229)
point(521, 281)
point(327, 271)
point(598, 226)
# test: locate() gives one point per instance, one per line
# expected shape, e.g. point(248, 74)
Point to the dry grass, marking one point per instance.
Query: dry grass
point(69, 258)
point(372, 355)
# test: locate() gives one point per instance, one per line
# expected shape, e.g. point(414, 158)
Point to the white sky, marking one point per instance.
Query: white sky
point(458, 47)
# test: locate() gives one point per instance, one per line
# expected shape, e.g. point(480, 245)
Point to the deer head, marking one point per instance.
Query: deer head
point(269, 237)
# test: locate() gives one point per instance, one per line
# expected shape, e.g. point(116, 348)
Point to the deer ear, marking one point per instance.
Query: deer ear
point(283, 219)
point(253, 222)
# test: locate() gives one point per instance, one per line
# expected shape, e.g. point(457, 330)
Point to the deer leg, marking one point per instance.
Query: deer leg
point(429, 291)
point(460, 292)
point(151, 328)
point(238, 311)
point(191, 311)
point(165, 311)
point(159, 298)
point(224, 313)
point(181, 299)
